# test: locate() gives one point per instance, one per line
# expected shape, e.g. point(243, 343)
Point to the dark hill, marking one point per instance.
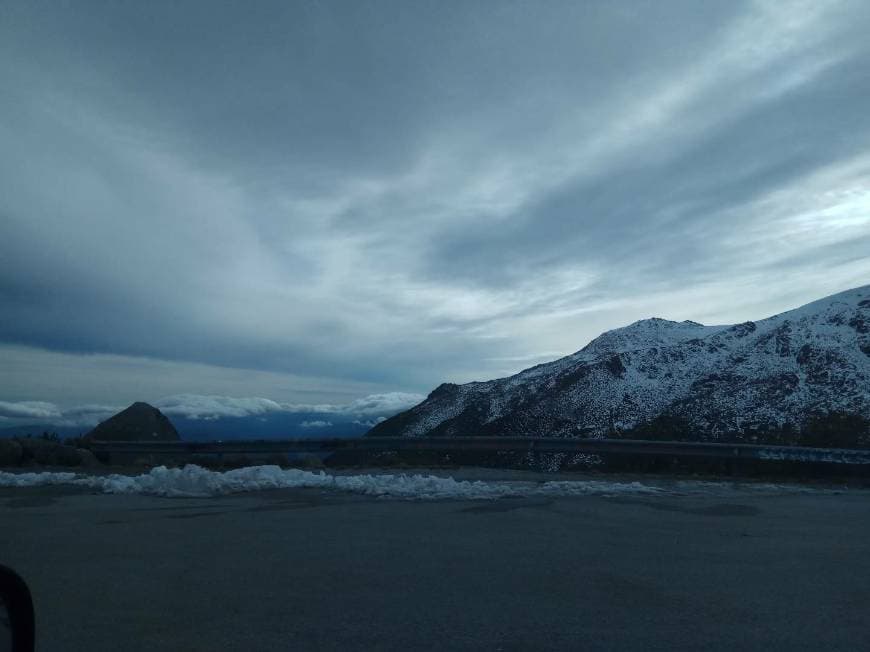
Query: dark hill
point(139, 422)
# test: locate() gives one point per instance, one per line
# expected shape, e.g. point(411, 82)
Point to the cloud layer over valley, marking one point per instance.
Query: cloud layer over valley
point(225, 416)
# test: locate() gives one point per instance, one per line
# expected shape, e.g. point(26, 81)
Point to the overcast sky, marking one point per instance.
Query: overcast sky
point(319, 201)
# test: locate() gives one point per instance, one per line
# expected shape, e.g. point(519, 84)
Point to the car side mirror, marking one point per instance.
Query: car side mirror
point(17, 623)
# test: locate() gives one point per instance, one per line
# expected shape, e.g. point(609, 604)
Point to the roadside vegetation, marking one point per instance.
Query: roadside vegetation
point(829, 430)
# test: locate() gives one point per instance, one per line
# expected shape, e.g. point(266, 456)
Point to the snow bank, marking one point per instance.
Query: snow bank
point(195, 481)
point(35, 479)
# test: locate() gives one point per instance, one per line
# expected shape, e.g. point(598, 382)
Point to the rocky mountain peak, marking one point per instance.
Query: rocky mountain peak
point(716, 379)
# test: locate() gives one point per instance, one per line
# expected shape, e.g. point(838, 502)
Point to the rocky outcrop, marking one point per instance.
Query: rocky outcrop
point(711, 379)
point(139, 422)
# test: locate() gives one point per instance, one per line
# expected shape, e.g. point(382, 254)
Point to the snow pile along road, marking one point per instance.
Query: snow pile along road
point(195, 481)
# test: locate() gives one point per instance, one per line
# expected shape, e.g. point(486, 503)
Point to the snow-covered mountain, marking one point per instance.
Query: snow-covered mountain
point(716, 379)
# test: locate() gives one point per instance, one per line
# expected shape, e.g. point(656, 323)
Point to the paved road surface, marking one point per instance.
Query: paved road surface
point(307, 570)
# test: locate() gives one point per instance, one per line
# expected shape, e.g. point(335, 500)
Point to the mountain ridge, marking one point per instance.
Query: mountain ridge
point(770, 373)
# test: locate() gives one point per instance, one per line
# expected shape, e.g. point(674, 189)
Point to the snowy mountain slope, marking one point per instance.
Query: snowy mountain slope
point(719, 379)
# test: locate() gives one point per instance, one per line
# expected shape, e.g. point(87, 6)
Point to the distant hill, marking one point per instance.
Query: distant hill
point(675, 379)
point(139, 422)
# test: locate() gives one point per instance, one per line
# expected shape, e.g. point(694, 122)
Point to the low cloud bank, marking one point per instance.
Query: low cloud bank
point(379, 404)
point(315, 424)
point(29, 410)
point(194, 406)
point(366, 411)
point(371, 423)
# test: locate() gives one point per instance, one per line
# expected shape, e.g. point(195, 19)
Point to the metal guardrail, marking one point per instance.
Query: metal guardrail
point(494, 444)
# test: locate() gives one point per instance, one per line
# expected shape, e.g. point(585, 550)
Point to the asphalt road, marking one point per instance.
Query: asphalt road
point(308, 570)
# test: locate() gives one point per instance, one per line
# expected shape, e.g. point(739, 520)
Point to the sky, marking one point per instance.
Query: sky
point(324, 202)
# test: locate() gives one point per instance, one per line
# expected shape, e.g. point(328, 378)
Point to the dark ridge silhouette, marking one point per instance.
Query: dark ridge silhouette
point(139, 422)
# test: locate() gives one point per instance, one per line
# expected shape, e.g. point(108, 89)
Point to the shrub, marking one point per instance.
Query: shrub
point(836, 430)
point(11, 453)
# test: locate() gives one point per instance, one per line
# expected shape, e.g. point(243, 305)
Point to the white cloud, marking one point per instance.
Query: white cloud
point(88, 415)
point(382, 403)
point(388, 404)
point(315, 424)
point(371, 423)
point(29, 410)
point(195, 406)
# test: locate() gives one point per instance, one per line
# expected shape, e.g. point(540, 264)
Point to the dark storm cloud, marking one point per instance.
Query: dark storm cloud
point(329, 87)
point(393, 194)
